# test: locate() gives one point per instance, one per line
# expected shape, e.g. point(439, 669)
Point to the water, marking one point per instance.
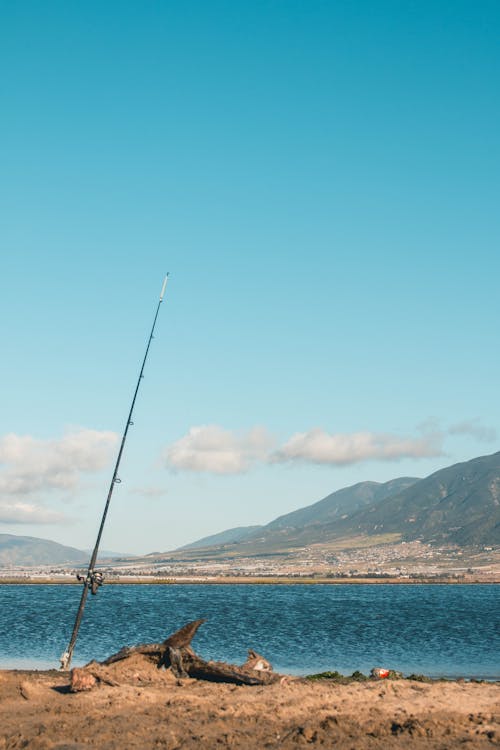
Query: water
point(438, 630)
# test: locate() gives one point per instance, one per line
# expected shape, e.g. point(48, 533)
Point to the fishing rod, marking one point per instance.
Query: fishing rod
point(94, 578)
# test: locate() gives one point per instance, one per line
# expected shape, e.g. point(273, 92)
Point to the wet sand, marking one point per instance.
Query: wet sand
point(150, 708)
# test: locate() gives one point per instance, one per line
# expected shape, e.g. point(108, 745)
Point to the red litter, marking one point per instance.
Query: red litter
point(379, 673)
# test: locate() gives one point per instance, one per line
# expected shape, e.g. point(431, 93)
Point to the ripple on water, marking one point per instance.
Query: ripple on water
point(439, 630)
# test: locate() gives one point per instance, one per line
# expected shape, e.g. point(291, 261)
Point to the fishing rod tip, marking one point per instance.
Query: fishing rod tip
point(164, 285)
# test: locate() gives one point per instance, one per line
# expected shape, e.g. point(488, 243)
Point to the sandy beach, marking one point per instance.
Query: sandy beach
point(144, 707)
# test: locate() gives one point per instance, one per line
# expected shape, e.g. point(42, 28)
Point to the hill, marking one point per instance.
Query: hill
point(459, 504)
point(230, 536)
point(307, 525)
point(29, 550)
point(340, 503)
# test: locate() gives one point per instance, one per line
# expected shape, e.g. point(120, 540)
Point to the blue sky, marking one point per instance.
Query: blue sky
point(322, 182)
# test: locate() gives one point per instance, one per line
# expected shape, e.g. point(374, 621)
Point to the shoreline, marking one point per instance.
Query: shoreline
point(320, 677)
point(250, 580)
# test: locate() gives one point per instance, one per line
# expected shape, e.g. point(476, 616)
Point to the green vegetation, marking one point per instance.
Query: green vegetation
point(358, 676)
point(340, 678)
point(334, 676)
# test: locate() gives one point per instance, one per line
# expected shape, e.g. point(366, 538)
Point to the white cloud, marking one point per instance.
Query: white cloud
point(29, 465)
point(210, 448)
point(474, 428)
point(19, 512)
point(320, 447)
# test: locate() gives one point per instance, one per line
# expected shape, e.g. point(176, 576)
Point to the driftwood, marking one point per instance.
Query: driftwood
point(175, 653)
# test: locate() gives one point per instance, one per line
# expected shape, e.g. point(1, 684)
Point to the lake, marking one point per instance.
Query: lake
point(438, 630)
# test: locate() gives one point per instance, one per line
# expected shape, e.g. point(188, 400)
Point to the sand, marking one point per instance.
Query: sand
point(149, 708)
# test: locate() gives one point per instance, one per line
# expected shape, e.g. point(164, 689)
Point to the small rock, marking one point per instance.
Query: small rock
point(308, 733)
point(26, 690)
point(81, 680)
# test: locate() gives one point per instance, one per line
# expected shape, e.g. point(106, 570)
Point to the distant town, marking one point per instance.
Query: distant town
point(401, 561)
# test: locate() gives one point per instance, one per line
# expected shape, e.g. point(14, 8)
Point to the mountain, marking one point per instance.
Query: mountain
point(106, 554)
point(459, 504)
point(345, 501)
point(29, 550)
point(304, 526)
point(230, 536)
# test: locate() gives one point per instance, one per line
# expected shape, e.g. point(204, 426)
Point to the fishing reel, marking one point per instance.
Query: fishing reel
point(94, 579)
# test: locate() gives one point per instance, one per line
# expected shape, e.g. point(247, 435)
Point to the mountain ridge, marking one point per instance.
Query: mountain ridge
point(229, 536)
point(17, 550)
point(341, 501)
point(29, 550)
point(459, 504)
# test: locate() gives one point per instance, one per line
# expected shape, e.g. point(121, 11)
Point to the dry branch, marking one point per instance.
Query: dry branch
point(175, 653)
